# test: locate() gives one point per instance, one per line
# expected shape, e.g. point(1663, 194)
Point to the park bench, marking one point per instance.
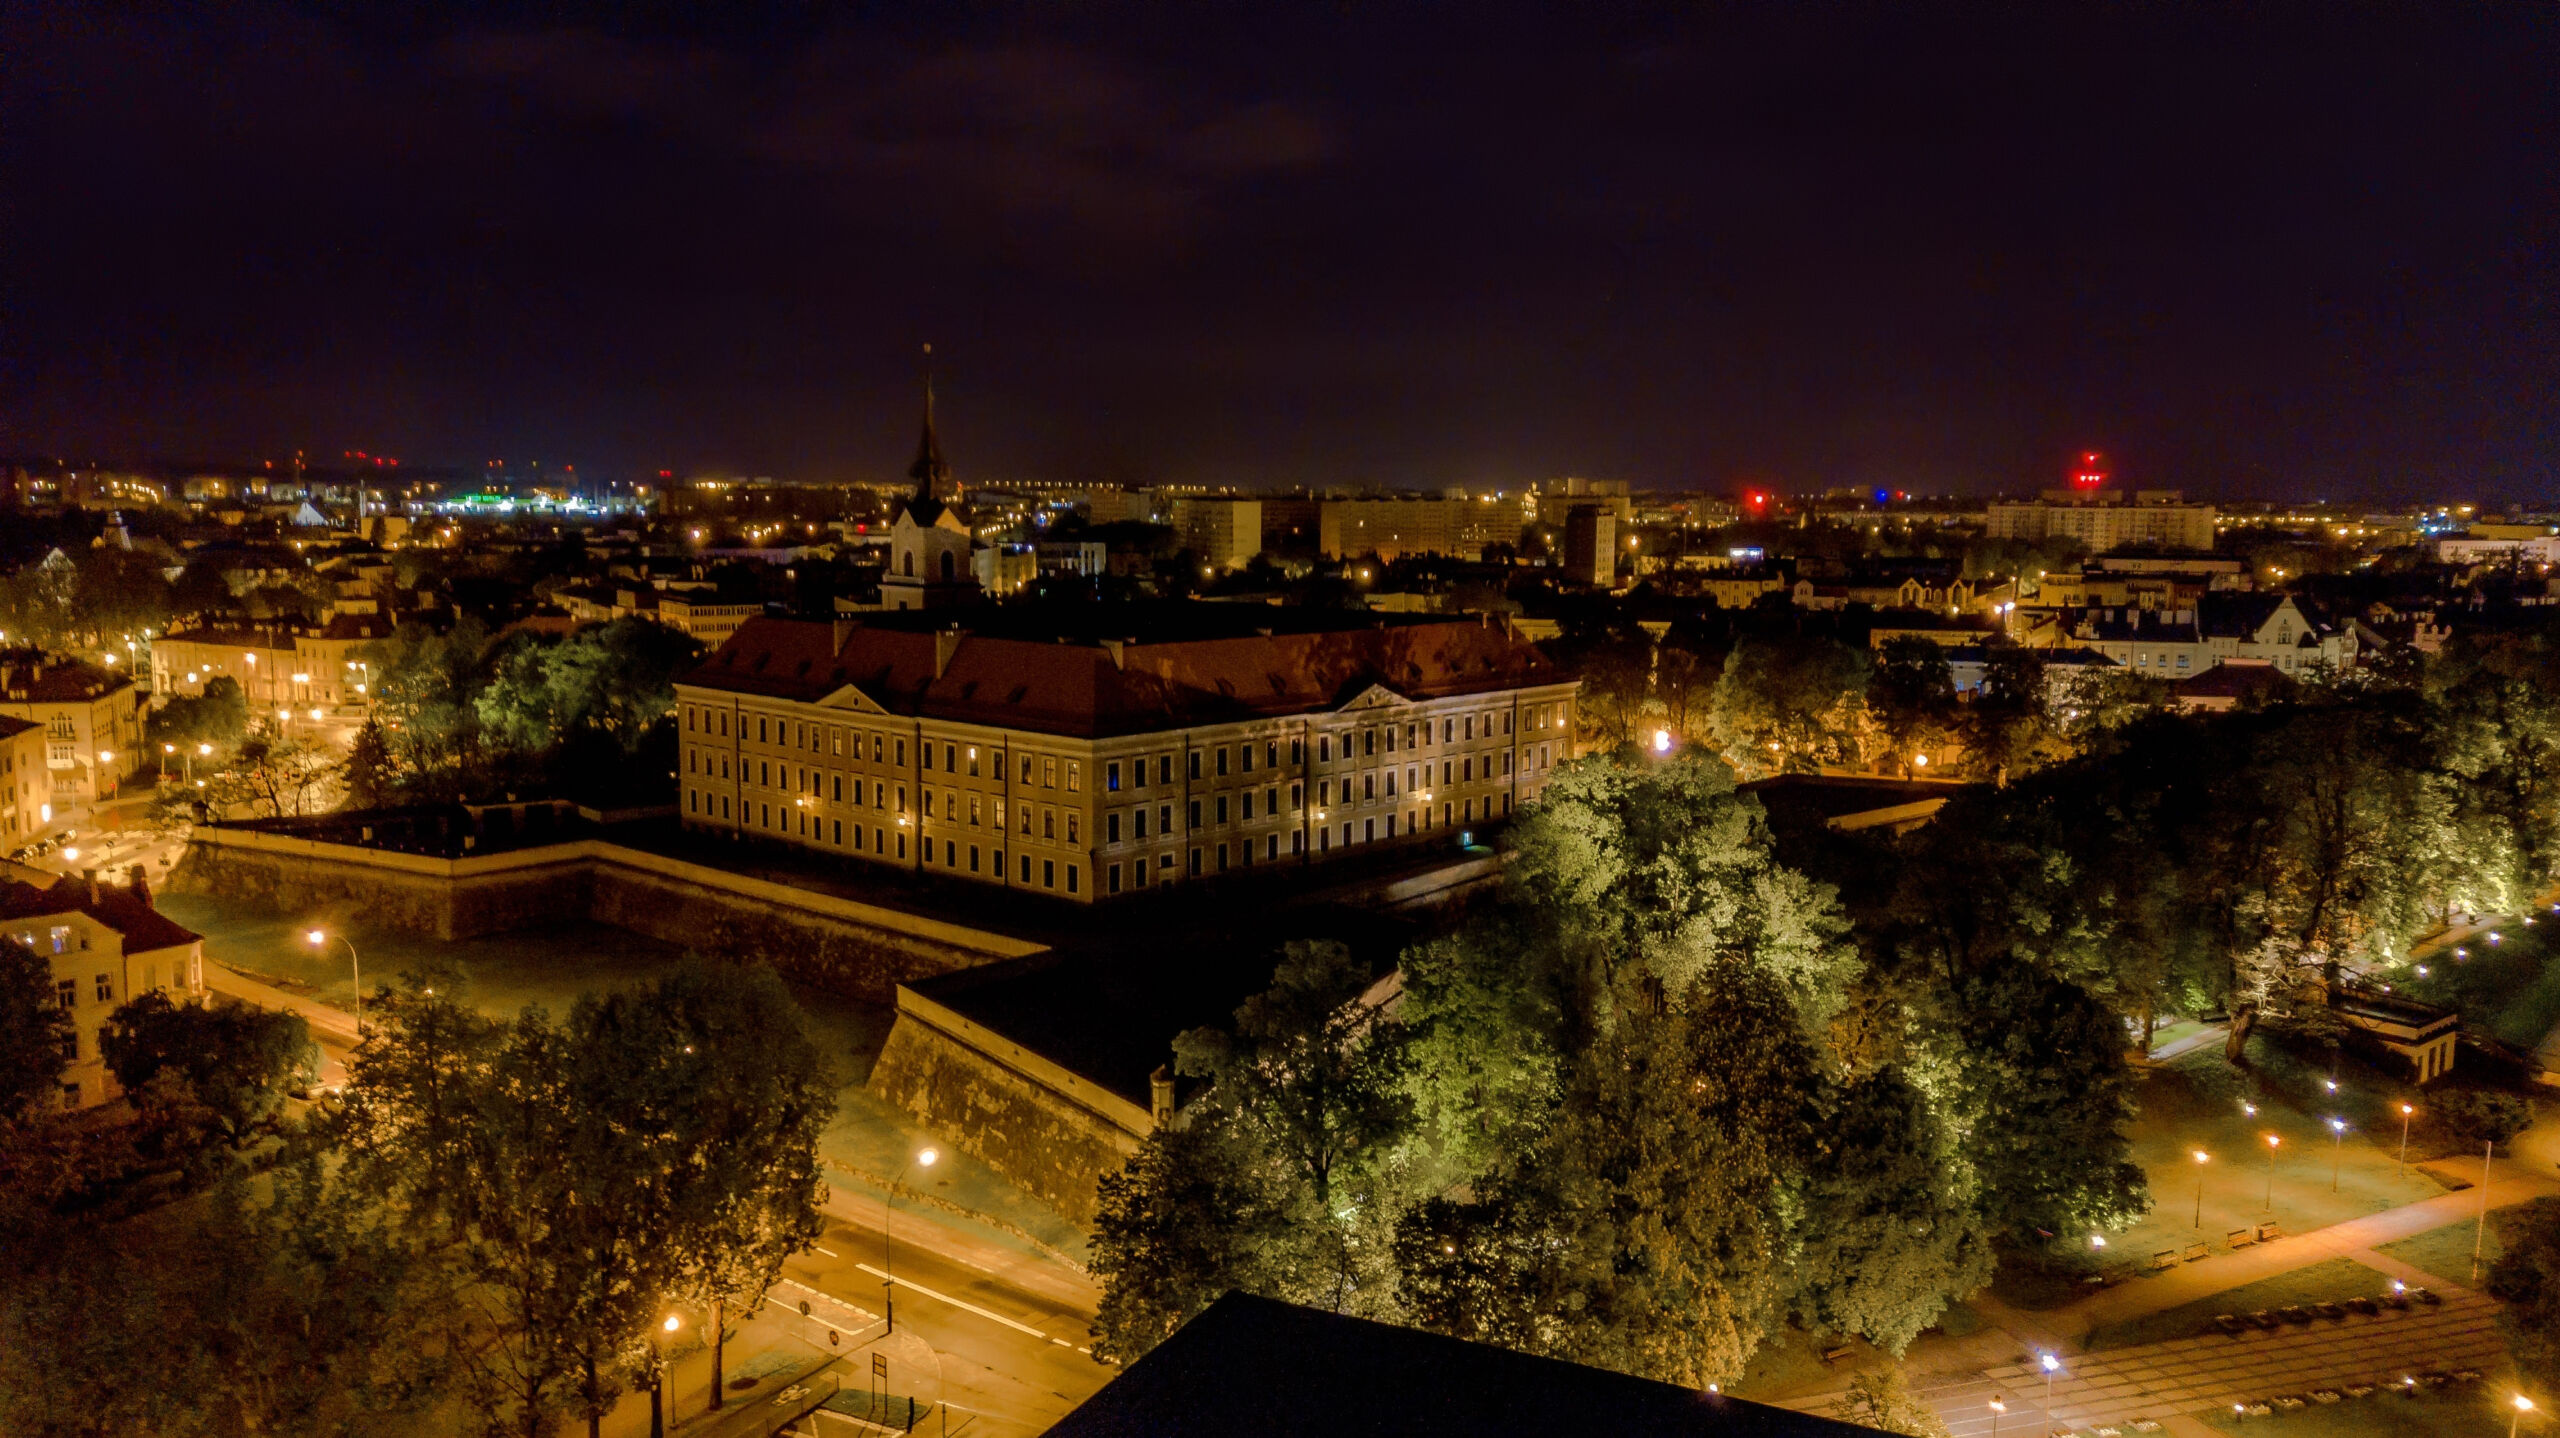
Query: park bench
point(1834, 1355)
point(2196, 1251)
point(2427, 1296)
point(2270, 1232)
point(2365, 1306)
point(2240, 1237)
point(2164, 1260)
point(2230, 1323)
point(2294, 1313)
point(2331, 1311)
point(2264, 1320)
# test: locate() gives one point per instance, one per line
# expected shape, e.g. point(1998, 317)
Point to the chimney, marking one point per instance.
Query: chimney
point(1160, 1095)
point(140, 883)
point(946, 642)
point(1115, 646)
point(844, 632)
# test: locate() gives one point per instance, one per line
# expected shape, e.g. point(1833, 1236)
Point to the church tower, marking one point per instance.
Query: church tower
point(929, 560)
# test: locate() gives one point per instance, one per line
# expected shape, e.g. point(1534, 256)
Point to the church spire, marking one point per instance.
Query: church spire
point(928, 471)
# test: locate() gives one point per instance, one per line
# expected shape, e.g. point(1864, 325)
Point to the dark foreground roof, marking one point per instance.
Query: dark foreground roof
point(1258, 1368)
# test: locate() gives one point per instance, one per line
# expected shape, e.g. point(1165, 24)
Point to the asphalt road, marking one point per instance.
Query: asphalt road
point(1010, 1330)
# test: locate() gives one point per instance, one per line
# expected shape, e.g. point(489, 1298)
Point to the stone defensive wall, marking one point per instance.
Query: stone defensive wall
point(1051, 1130)
point(841, 945)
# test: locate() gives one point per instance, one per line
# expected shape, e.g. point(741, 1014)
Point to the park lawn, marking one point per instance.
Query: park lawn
point(2467, 1408)
point(2508, 987)
point(2446, 1252)
point(2334, 1281)
point(2195, 1103)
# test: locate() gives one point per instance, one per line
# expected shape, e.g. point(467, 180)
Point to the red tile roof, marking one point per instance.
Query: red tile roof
point(61, 681)
point(1187, 672)
point(120, 909)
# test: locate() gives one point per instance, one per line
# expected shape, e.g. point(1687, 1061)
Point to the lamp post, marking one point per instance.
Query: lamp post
point(2273, 1143)
point(165, 751)
point(2337, 1150)
point(888, 1267)
point(2200, 1156)
point(1997, 1408)
point(203, 751)
point(2052, 1365)
point(2524, 1405)
point(658, 1375)
point(2405, 1111)
point(320, 940)
point(2480, 1226)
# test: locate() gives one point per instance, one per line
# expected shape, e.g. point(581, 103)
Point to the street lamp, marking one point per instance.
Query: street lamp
point(2052, 1365)
point(2273, 1143)
point(165, 751)
point(2337, 1150)
point(888, 1205)
point(2405, 1111)
point(2524, 1405)
point(658, 1375)
point(1997, 1408)
point(2200, 1157)
point(319, 939)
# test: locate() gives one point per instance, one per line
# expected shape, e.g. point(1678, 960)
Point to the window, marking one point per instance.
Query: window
point(1246, 813)
point(106, 988)
point(1026, 868)
point(1297, 842)
point(1368, 742)
point(902, 756)
point(1025, 811)
point(1467, 768)
point(1506, 721)
point(976, 813)
point(1195, 813)
point(835, 740)
point(928, 803)
point(950, 759)
point(1324, 748)
point(1297, 796)
point(1138, 823)
point(875, 749)
point(1048, 823)
point(839, 838)
point(61, 936)
point(760, 731)
point(1369, 785)
point(839, 788)
point(1506, 761)
point(1112, 881)
point(688, 718)
point(1244, 758)
point(1448, 731)
point(950, 854)
point(1222, 858)
point(1075, 778)
point(1075, 827)
point(1391, 783)
point(1111, 828)
point(1324, 793)
point(973, 761)
point(1164, 768)
point(1048, 873)
point(66, 992)
point(1222, 761)
point(1222, 808)
point(1138, 874)
point(1195, 863)
point(1111, 785)
point(724, 723)
point(1297, 751)
point(71, 1048)
point(1048, 773)
point(973, 858)
point(1072, 871)
point(1195, 763)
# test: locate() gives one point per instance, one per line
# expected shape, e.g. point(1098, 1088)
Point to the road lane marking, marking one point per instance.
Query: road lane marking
point(829, 1252)
point(954, 1302)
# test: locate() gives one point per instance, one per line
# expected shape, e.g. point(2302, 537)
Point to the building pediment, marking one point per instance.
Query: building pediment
point(852, 700)
point(1376, 696)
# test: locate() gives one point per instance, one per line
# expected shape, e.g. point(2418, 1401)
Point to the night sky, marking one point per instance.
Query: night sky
point(1296, 243)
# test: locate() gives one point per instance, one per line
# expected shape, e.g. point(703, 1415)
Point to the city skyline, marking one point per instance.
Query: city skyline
point(1805, 251)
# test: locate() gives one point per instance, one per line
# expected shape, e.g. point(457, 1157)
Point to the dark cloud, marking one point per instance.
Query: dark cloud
point(1813, 244)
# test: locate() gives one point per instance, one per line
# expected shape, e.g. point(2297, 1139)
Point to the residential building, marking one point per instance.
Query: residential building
point(91, 717)
point(2103, 520)
point(1413, 524)
point(1591, 546)
point(1089, 751)
point(26, 785)
point(1002, 569)
point(305, 672)
point(106, 945)
point(698, 610)
point(1225, 533)
point(2277, 629)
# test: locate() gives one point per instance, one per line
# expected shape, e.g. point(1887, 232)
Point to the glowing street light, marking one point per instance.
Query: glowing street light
point(319, 939)
point(2201, 1158)
point(924, 1158)
point(1997, 1408)
point(1662, 741)
point(2523, 1405)
point(2337, 1150)
point(2273, 1143)
point(658, 1374)
point(2405, 1111)
point(2052, 1365)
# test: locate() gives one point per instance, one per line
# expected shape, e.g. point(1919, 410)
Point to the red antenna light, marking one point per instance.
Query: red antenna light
point(2090, 474)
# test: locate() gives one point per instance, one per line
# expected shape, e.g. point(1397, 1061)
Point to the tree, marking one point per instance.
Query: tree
point(234, 1060)
point(1892, 1234)
point(2042, 1091)
point(369, 772)
point(218, 716)
point(2526, 1277)
point(35, 1032)
point(2476, 1117)
point(748, 1190)
point(1883, 1400)
point(1912, 696)
point(1789, 704)
point(1297, 1138)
